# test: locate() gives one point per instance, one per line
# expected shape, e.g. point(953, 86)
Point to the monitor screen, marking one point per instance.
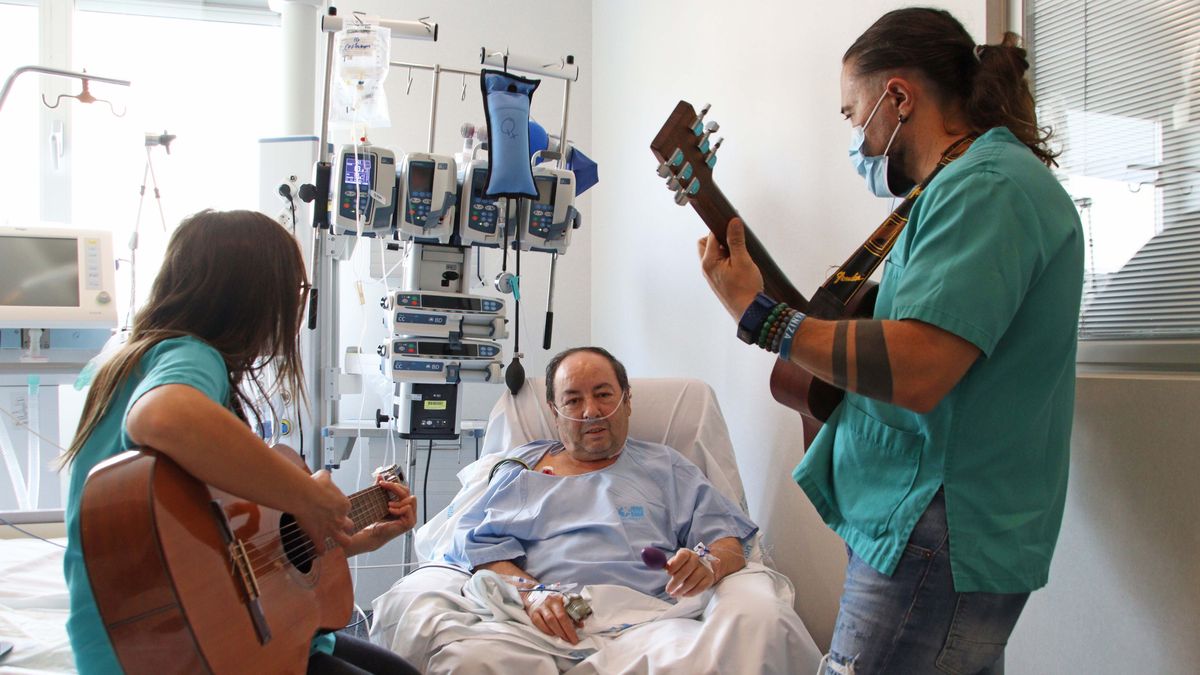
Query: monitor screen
point(358, 170)
point(39, 272)
point(545, 188)
point(420, 176)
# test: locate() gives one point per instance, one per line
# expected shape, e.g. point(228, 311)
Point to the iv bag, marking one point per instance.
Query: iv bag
point(360, 66)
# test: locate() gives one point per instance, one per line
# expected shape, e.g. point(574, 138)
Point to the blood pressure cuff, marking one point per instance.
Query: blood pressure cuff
point(506, 101)
point(584, 167)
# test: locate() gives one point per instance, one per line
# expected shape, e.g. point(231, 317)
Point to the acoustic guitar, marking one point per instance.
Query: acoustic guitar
point(189, 579)
point(686, 159)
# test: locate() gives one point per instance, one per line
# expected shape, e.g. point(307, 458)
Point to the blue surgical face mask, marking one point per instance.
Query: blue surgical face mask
point(873, 168)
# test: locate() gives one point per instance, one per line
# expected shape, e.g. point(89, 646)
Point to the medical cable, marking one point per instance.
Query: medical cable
point(425, 485)
point(514, 460)
point(5, 521)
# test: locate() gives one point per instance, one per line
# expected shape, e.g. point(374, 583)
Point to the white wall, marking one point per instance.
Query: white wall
point(529, 27)
point(770, 71)
point(1124, 592)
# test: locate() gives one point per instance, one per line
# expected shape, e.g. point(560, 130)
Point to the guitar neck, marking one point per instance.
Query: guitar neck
point(369, 505)
point(716, 212)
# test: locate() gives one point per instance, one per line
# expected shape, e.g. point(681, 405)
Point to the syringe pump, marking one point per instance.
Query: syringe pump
point(435, 361)
point(445, 315)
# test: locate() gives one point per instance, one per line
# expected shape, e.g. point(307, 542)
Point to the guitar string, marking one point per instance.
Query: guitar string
point(264, 558)
point(354, 510)
point(287, 535)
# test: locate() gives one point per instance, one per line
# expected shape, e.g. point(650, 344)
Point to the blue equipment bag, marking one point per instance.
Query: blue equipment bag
point(506, 101)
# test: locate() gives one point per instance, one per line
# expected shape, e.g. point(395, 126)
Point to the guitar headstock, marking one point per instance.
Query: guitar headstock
point(390, 474)
point(685, 154)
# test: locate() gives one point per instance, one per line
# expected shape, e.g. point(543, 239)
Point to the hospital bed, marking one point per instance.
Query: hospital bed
point(416, 614)
point(33, 607)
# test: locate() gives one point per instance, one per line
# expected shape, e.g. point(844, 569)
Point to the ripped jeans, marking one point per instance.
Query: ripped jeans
point(913, 622)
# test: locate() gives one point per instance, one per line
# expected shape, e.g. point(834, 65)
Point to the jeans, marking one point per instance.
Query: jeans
point(914, 622)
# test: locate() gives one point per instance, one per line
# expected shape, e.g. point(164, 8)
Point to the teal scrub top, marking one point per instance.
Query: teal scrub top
point(184, 360)
point(993, 253)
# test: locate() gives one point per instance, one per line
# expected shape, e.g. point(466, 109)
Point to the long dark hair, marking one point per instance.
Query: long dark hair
point(987, 82)
point(233, 279)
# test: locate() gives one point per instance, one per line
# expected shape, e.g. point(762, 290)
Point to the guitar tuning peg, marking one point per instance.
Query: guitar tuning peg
point(712, 127)
point(698, 123)
point(663, 170)
point(686, 172)
point(674, 184)
point(681, 198)
point(711, 158)
point(694, 186)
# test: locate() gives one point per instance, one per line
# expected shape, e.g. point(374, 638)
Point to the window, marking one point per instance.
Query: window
point(203, 71)
point(19, 116)
point(1119, 81)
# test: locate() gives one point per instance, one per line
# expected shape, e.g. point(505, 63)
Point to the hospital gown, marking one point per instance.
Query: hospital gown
point(591, 528)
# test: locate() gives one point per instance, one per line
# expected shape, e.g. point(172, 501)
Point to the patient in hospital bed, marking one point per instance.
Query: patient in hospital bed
point(575, 516)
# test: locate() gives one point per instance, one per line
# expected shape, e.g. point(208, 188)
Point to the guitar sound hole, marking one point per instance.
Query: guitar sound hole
point(296, 545)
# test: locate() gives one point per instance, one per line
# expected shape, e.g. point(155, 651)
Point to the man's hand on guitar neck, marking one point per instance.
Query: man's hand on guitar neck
point(731, 273)
point(908, 363)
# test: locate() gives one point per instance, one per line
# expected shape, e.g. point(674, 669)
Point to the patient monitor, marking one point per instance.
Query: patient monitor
point(56, 277)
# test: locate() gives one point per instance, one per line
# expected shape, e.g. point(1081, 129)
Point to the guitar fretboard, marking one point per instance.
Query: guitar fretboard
point(368, 506)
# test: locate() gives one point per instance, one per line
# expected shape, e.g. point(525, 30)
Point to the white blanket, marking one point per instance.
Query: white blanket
point(33, 608)
point(442, 620)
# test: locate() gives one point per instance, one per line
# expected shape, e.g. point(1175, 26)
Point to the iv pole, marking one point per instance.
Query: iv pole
point(56, 72)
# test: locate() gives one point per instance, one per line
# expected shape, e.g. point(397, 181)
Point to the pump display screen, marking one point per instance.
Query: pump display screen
point(545, 188)
point(449, 302)
point(39, 272)
point(358, 170)
point(425, 348)
point(420, 176)
point(479, 184)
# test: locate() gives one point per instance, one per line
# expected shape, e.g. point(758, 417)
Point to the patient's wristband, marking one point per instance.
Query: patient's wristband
point(754, 318)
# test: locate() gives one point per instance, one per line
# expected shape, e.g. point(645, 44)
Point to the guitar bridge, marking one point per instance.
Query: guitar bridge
point(245, 574)
point(241, 563)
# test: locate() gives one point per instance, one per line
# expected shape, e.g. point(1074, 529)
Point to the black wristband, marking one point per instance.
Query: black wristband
point(752, 319)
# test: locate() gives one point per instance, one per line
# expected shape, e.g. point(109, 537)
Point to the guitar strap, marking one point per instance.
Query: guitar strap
point(832, 297)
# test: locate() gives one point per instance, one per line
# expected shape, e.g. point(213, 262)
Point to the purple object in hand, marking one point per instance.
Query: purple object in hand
point(654, 558)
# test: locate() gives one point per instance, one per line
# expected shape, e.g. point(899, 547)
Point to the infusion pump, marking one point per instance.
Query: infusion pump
point(428, 195)
point(546, 221)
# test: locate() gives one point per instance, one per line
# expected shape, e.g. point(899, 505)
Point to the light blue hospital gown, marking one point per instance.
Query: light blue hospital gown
point(591, 528)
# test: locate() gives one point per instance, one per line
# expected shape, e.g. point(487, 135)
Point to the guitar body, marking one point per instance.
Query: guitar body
point(813, 398)
point(168, 589)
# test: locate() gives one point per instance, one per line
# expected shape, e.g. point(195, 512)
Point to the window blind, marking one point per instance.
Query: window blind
point(1119, 81)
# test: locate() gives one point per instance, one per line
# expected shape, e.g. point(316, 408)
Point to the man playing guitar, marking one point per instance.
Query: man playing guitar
point(944, 469)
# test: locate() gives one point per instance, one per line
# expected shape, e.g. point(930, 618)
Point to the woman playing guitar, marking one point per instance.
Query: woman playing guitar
point(226, 304)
